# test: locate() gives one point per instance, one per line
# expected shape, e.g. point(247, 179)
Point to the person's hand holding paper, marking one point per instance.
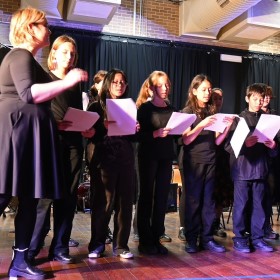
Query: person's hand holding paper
point(221, 122)
point(267, 127)
point(79, 120)
point(121, 115)
point(179, 122)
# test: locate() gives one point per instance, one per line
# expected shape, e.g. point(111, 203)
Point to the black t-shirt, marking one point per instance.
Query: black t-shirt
point(203, 148)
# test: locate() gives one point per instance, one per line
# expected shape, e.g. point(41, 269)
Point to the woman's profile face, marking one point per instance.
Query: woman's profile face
point(203, 93)
point(118, 86)
point(65, 55)
point(42, 33)
point(161, 88)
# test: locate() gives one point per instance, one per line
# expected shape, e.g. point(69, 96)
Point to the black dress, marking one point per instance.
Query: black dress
point(28, 133)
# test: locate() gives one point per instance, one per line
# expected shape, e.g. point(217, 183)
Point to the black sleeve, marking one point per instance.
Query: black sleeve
point(146, 129)
point(100, 129)
point(22, 69)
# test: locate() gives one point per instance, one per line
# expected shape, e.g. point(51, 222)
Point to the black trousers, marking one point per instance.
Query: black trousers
point(24, 220)
point(113, 189)
point(200, 210)
point(63, 209)
point(249, 195)
point(182, 201)
point(155, 179)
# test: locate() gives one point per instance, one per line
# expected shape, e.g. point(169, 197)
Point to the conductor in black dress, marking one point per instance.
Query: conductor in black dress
point(30, 164)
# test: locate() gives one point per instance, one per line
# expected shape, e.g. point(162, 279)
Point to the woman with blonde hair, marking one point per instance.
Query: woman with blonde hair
point(30, 164)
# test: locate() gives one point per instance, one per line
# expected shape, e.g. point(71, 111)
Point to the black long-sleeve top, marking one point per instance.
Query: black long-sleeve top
point(109, 150)
point(59, 105)
point(151, 118)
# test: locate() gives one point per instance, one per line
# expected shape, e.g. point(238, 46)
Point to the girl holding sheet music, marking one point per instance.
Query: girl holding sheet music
point(155, 156)
point(112, 174)
point(62, 58)
point(199, 167)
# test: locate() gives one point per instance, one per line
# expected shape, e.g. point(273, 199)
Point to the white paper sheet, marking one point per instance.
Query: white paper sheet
point(267, 127)
point(179, 122)
point(239, 136)
point(85, 100)
point(122, 115)
point(219, 124)
point(81, 120)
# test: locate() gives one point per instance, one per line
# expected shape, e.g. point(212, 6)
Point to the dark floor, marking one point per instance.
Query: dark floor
point(176, 265)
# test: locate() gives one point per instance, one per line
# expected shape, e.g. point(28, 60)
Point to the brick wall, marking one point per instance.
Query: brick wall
point(159, 19)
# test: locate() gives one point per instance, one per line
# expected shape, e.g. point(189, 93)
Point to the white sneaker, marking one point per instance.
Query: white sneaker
point(126, 255)
point(94, 254)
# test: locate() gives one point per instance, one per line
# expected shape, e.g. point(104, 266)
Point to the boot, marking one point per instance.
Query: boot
point(20, 266)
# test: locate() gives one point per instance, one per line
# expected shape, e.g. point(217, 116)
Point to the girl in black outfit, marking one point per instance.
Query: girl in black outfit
point(62, 58)
point(112, 174)
point(155, 156)
point(199, 167)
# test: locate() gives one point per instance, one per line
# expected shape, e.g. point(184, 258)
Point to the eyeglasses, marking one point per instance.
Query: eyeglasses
point(121, 83)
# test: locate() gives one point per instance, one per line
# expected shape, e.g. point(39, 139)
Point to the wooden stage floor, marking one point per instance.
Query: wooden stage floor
point(176, 265)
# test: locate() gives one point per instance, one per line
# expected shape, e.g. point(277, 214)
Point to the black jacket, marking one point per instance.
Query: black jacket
point(252, 162)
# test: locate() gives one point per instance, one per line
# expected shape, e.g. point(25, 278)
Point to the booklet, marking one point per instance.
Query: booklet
point(267, 127)
point(219, 124)
point(179, 122)
point(239, 136)
point(121, 116)
point(81, 120)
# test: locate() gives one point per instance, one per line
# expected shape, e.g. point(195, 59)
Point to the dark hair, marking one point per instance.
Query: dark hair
point(97, 78)
point(107, 82)
point(256, 88)
point(192, 99)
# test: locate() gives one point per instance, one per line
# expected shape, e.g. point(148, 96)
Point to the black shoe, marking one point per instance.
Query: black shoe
point(191, 247)
point(262, 246)
point(73, 243)
point(20, 266)
point(62, 257)
point(29, 272)
point(241, 245)
point(213, 246)
point(147, 249)
point(165, 238)
point(269, 233)
point(181, 234)
point(161, 249)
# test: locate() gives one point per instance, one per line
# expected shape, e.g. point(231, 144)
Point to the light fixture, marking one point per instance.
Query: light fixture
point(177, 1)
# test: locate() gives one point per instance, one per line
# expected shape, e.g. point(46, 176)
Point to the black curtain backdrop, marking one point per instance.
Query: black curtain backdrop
point(261, 68)
point(138, 57)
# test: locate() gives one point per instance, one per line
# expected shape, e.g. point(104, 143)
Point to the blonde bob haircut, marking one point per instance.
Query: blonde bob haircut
point(56, 44)
point(20, 25)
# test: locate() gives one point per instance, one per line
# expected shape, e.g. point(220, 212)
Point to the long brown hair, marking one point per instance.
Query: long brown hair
point(144, 93)
point(192, 99)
